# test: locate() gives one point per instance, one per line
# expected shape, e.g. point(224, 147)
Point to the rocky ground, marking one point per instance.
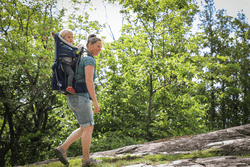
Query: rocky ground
point(230, 142)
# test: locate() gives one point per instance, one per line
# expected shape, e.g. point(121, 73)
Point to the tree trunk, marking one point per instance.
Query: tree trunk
point(150, 104)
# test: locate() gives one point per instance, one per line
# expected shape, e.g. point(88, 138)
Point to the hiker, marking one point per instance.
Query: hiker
point(67, 34)
point(80, 104)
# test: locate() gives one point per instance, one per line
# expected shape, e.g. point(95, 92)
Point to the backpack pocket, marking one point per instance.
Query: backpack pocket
point(81, 87)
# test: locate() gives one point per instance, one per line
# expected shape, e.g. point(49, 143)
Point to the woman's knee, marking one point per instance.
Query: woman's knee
point(88, 129)
point(82, 129)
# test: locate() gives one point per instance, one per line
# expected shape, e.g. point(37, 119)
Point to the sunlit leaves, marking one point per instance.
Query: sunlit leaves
point(150, 68)
point(30, 109)
point(223, 67)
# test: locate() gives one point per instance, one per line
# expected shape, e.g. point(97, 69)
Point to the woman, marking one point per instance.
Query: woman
point(80, 104)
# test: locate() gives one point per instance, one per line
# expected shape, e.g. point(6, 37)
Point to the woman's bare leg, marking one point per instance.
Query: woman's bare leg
point(86, 142)
point(77, 134)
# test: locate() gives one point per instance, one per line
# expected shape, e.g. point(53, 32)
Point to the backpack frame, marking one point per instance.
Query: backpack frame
point(59, 78)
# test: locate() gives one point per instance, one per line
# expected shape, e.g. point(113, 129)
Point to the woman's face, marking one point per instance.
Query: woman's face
point(96, 48)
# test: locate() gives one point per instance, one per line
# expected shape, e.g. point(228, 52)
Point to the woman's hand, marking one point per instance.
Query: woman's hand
point(96, 105)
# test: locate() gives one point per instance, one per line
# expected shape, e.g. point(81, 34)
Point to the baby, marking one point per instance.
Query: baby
point(67, 34)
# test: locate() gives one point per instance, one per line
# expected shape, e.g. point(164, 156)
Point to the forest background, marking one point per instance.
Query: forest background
point(157, 80)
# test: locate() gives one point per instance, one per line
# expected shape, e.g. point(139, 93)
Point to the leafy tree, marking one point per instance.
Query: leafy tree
point(30, 119)
point(210, 42)
point(150, 71)
point(222, 67)
point(238, 99)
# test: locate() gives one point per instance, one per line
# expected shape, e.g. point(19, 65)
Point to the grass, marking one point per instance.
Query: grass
point(128, 159)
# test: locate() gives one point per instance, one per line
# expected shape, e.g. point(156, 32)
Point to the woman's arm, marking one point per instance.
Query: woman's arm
point(89, 73)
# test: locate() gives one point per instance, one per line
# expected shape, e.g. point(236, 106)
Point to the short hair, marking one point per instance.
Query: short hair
point(65, 32)
point(92, 38)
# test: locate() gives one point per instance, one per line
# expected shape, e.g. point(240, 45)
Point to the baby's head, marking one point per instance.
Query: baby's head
point(67, 34)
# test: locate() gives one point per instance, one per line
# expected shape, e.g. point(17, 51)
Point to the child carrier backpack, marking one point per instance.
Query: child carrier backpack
point(59, 78)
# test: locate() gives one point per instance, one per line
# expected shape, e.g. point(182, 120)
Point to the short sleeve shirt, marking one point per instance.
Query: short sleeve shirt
point(85, 61)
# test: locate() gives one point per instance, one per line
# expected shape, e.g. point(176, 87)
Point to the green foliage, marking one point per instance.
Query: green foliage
point(224, 67)
point(147, 82)
point(113, 140)
point(31, 114)
point(27, 102)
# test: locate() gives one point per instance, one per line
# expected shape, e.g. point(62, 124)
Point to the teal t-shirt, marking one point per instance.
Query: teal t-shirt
point(85, 61)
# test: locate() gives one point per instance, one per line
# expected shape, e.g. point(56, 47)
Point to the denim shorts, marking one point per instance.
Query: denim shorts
point(82, 108)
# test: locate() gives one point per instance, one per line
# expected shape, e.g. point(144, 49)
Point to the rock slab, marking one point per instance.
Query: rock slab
point(229, 142)
point(222, 161)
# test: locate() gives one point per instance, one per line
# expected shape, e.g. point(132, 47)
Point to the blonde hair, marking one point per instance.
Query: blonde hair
point(65, 32)
point(92, 38)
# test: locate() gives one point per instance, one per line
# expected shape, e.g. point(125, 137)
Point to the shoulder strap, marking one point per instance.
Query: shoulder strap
point(89, 54)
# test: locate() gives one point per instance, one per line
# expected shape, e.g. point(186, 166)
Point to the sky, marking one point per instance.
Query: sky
point(234, 6)
point(110, 14)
